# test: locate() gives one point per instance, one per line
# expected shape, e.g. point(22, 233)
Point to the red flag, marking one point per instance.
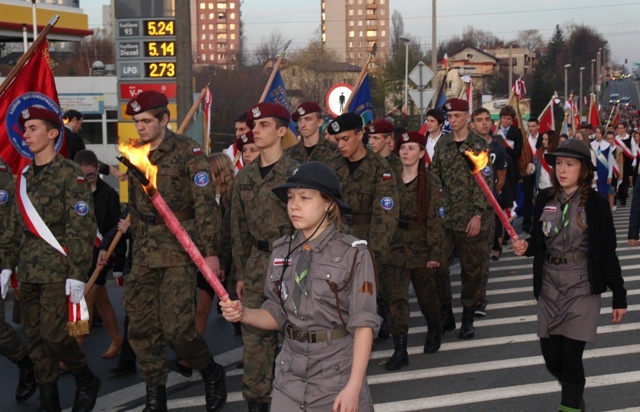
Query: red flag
point(594, 114)
point(616, 119)
point(577, 121)
point(519, 88)
point(546, 119)
point(33, 85)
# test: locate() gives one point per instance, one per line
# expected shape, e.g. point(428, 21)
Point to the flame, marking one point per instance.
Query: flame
point(139, 156)
point(479, 160)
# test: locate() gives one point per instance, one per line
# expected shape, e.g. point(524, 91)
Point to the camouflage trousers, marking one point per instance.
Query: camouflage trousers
point(11, 344)
point(161, 310)
point(259, 354)
point(44, 314)
point(397, 292)
point(443, 283)
point(474, 262)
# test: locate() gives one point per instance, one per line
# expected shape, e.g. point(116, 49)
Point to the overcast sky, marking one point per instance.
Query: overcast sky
point(618, 21)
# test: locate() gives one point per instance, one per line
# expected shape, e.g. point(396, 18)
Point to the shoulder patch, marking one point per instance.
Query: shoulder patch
point(80, 179)
point(81, 208)
point(4, 197)
point(353, 241)
point(386, 176)
point(201, 179)
point(197, 151)
point(386, 203)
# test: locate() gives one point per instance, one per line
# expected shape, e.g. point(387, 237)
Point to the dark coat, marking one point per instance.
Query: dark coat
point(603, 264)
point(634, 215)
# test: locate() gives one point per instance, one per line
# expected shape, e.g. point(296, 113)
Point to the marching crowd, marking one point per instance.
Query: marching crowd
point(317, 245)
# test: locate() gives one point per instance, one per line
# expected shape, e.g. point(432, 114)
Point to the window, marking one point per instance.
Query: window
point(351, 33)
point(360, 33)
point(210, 16)
point(351, 12)
point(222, 36)
point(211, 57)
point(469, 56)
point(92, 128)
point(202, 6)
point(350, 44)
point(324, 16)
point(203, 16)
point(232, 16)
point(210, 46)
point(211, 27)
point(359, 23)
point(201, 46)
point(232, 26)
point(204, 36)
point(221, 26)
point(372, 33)
point(350, 23)
point(222, 6)
point(383, 33)
point(221, 56)
point(232, 6)
point(204, 57)
point(204, 27)
point(211, 37)
point(359, 12)
point(233, 36)
point(360, 55)
point(232, 46)
point(222, 46)
point(222, 16)
point(210, 6)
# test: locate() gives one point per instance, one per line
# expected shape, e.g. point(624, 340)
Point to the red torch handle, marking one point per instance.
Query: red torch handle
point(496, 206)
point(187, 243)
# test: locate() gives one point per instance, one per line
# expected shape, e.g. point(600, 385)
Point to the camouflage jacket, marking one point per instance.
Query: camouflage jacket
point(324, 152)
point(62, 197)
point(184, 181)
point(394, 162)
point(258, 218)
point(371, 191)
point(461, 198)
point(410, 247)
point(7, 191)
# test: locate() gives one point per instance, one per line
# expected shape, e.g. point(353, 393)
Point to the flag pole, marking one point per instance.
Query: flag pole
point(27, 55)
point(360, 79)
point(194, 107)
point(276, 66)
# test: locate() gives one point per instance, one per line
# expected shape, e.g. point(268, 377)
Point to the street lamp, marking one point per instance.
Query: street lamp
point(566, 68)
point(406, 71)
point(580, 105)
point(593, 82)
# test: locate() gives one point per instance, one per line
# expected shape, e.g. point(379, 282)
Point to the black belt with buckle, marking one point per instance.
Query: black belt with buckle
point(313, 337)
point(568, 258)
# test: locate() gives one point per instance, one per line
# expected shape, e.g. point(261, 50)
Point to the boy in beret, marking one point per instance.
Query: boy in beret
point(50, 238)
point(159, 289)
point(381, 141)
point(257, 220)
point(247, 147)
point(311, 145)
point(463, 209)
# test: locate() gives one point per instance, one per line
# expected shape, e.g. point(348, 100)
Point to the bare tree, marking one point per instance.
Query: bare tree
point(312, 71)
point(270, 47)
point(397, 31)
point(531, 39)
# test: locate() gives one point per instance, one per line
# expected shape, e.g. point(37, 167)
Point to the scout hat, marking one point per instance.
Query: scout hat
point(264, 109)
point(345, 122)
point(305, 108)
point(380, 126)
point(456, 105)
point(39, 113)
point(574, 148)
point(245, 138)
point(147, 100)
point(314, 175)
point(412, 137)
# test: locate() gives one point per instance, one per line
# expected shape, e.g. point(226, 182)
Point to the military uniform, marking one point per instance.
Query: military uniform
point(462, 199)
point(258, 218)
point(159, 290)
point(372, 194)
point(324, 152)
point(62, 197)
point(316, 358)
point(11, 344)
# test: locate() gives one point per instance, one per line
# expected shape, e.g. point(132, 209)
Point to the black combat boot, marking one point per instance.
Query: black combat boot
point(49, 399)
point(467, 331)
point(156, 399)
point(255, 406)
point(27, 381)
point(434, 337)
point(215, 389)
point(446, 318)
point(383, 310)
point(400, 356)
point(87, 387)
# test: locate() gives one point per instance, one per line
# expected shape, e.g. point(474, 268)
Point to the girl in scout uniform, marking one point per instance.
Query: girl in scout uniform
point(321, 293)
point(573, 244)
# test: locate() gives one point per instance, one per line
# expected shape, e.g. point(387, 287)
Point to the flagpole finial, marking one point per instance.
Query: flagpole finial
point(54, 20)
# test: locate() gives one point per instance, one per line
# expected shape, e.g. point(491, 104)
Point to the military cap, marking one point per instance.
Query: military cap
point(39, 113)
point(379, 126)
point(245, 138)
point(345, 122)
point(412, 137)
point(314, 175)
point(305, 108)
point(574, 148)
point(147, 100)
point(264, 109)
point(456, 105)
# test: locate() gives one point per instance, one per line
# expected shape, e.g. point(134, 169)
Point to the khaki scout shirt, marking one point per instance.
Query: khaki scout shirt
point(258, 215)
point(462, 198)
point(62, 197)
point(324, 152)
point(371, 191)
point(184, 181)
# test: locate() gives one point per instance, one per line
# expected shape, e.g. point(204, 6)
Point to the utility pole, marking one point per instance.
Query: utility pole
point(183, 59)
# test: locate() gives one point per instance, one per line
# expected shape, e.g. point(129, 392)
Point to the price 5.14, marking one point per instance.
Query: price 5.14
point(160, 48)
point(160, 69)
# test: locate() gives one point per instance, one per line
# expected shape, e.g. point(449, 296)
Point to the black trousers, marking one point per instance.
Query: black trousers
point(563, 357)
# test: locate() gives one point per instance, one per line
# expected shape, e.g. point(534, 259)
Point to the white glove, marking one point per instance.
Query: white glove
point(5, 281)
point(117, 275)
point(633, 163)
point(75, 289)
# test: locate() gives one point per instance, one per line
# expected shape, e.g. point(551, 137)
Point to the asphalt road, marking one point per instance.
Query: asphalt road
point(500, 370)
point(626, 87)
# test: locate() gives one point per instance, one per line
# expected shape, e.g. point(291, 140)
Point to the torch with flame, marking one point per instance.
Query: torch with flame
point(137, 160)
point(477, 162)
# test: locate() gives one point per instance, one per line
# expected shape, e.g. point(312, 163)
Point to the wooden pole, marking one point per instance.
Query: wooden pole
point(194, 107)
point(360, 79)
point(276, 66)
point(27, 55)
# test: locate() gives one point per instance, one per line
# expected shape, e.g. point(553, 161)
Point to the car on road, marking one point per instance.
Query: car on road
point(625, 101)
point(614, 98)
